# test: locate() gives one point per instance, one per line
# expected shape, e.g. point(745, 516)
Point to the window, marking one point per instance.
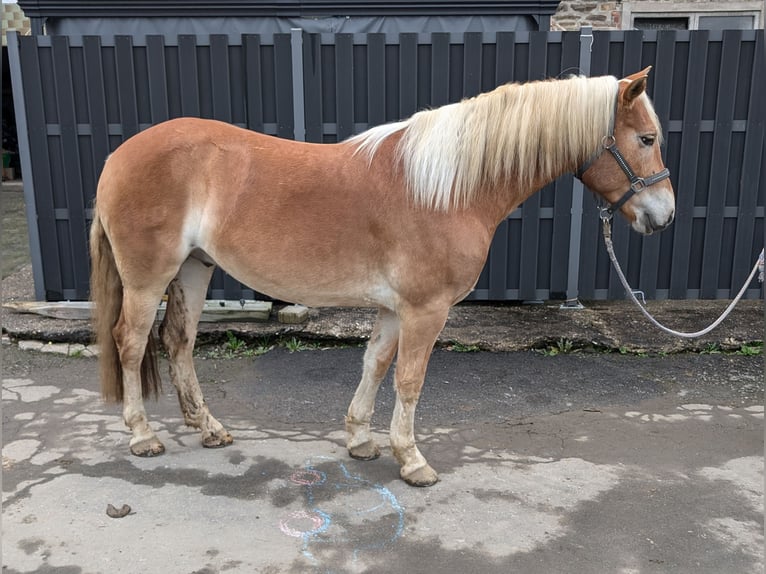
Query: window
point(688, 15)
point(650, 23)
point(743, 22)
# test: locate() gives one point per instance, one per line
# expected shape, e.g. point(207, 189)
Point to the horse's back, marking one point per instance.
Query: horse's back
point(312, 223)
point(274, 213)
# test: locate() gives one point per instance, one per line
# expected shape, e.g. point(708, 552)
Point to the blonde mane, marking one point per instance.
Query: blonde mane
point(517, 132)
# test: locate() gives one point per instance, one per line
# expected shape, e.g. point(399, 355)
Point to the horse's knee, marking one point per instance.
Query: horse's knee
point(408, 392)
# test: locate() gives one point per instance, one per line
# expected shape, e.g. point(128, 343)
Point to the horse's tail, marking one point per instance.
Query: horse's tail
point(106, 293)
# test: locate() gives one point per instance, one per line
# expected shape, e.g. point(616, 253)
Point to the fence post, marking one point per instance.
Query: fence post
point(299, 111)
point(25, 158)
point(575, 226)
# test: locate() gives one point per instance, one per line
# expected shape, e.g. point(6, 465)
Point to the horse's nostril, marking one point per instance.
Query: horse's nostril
point(663, 225)
point(670, 218)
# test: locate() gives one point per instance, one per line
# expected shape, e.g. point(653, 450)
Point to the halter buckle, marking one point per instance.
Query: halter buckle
point(638, 185)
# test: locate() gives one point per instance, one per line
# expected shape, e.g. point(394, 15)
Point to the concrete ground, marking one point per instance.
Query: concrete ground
point(587, 463)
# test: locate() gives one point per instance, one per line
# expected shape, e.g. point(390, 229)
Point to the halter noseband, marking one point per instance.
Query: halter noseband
point(637, 184)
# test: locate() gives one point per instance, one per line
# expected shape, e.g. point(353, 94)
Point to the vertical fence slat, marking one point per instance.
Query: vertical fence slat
point(471, 64)
point(123, 50)
point(284, 85)
point(504, 50)
point(344, 85)
point(755, 148)
point(27, 94)
point(719, 165)
point(312, 87)
point(188, 75)
point(408, 74)
point(632, 60)
point(70, 148)
point(376, 79)
point(220, 76)
point(687, 173)
point(662, 75)
point(440, 66)
point(158, 92)
point(646, 263)
point(254, 97)
point(94, 85)
point(40, 158)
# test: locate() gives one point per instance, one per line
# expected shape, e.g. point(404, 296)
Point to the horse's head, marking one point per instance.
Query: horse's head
point(632, 177)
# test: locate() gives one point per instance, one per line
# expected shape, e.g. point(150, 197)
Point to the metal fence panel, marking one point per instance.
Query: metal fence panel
point(705, 88)
point(81, 96)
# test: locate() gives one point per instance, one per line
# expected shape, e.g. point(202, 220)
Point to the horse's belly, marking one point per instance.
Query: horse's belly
point(313, 287)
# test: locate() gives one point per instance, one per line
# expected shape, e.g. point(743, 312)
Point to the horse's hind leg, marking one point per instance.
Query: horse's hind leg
point(131, 333)
point(186, 298)
point(377, 358)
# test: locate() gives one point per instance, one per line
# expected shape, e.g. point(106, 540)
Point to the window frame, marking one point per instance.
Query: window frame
point(690, 10)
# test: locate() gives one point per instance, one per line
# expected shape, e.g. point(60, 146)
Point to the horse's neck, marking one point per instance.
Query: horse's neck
point(501, 198)
point(504, 197)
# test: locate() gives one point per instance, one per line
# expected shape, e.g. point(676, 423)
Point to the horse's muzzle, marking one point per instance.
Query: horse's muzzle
point(647, 223)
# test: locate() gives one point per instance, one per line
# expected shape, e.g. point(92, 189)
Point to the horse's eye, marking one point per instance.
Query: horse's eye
point(648, 141)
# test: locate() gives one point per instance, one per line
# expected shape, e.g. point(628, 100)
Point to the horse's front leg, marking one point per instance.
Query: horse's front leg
point(416, 340)
point(186, 299)
point(377, 358)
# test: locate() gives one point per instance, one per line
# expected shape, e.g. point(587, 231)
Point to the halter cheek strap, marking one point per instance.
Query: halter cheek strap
point(637, 184)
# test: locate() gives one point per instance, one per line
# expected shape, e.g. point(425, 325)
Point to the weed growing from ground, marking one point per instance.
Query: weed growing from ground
point(461, 348)
point(751, 349)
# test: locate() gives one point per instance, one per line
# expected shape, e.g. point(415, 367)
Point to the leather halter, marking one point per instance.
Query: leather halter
point(637, 184)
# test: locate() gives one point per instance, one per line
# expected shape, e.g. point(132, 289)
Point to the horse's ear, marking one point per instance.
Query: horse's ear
point(636, 87)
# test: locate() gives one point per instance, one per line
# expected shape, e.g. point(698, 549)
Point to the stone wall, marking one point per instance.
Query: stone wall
point(573, 14)
point(615, 14)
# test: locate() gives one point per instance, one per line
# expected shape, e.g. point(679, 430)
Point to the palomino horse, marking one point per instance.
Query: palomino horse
point(400, 218)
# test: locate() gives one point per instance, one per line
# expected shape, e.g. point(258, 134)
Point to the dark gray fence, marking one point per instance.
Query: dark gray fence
point(79, 97)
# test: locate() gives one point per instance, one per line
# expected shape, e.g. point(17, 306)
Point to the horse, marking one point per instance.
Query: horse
point(398, 218)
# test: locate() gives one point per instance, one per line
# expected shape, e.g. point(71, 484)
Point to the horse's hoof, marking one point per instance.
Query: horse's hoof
point(366, 451)
point(147, 448)
point(423, 476)
point(217, 441)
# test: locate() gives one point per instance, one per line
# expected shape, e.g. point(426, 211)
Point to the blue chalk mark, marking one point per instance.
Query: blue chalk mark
point(310, 534)
point(350, 482)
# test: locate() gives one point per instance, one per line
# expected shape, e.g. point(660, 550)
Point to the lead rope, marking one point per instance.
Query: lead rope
point(607, 229)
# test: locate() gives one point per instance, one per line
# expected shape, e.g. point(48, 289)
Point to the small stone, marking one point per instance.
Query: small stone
point(30, 345)
point(90, 351)
point(121, 512)
point(56, 348)
point(293, 314)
